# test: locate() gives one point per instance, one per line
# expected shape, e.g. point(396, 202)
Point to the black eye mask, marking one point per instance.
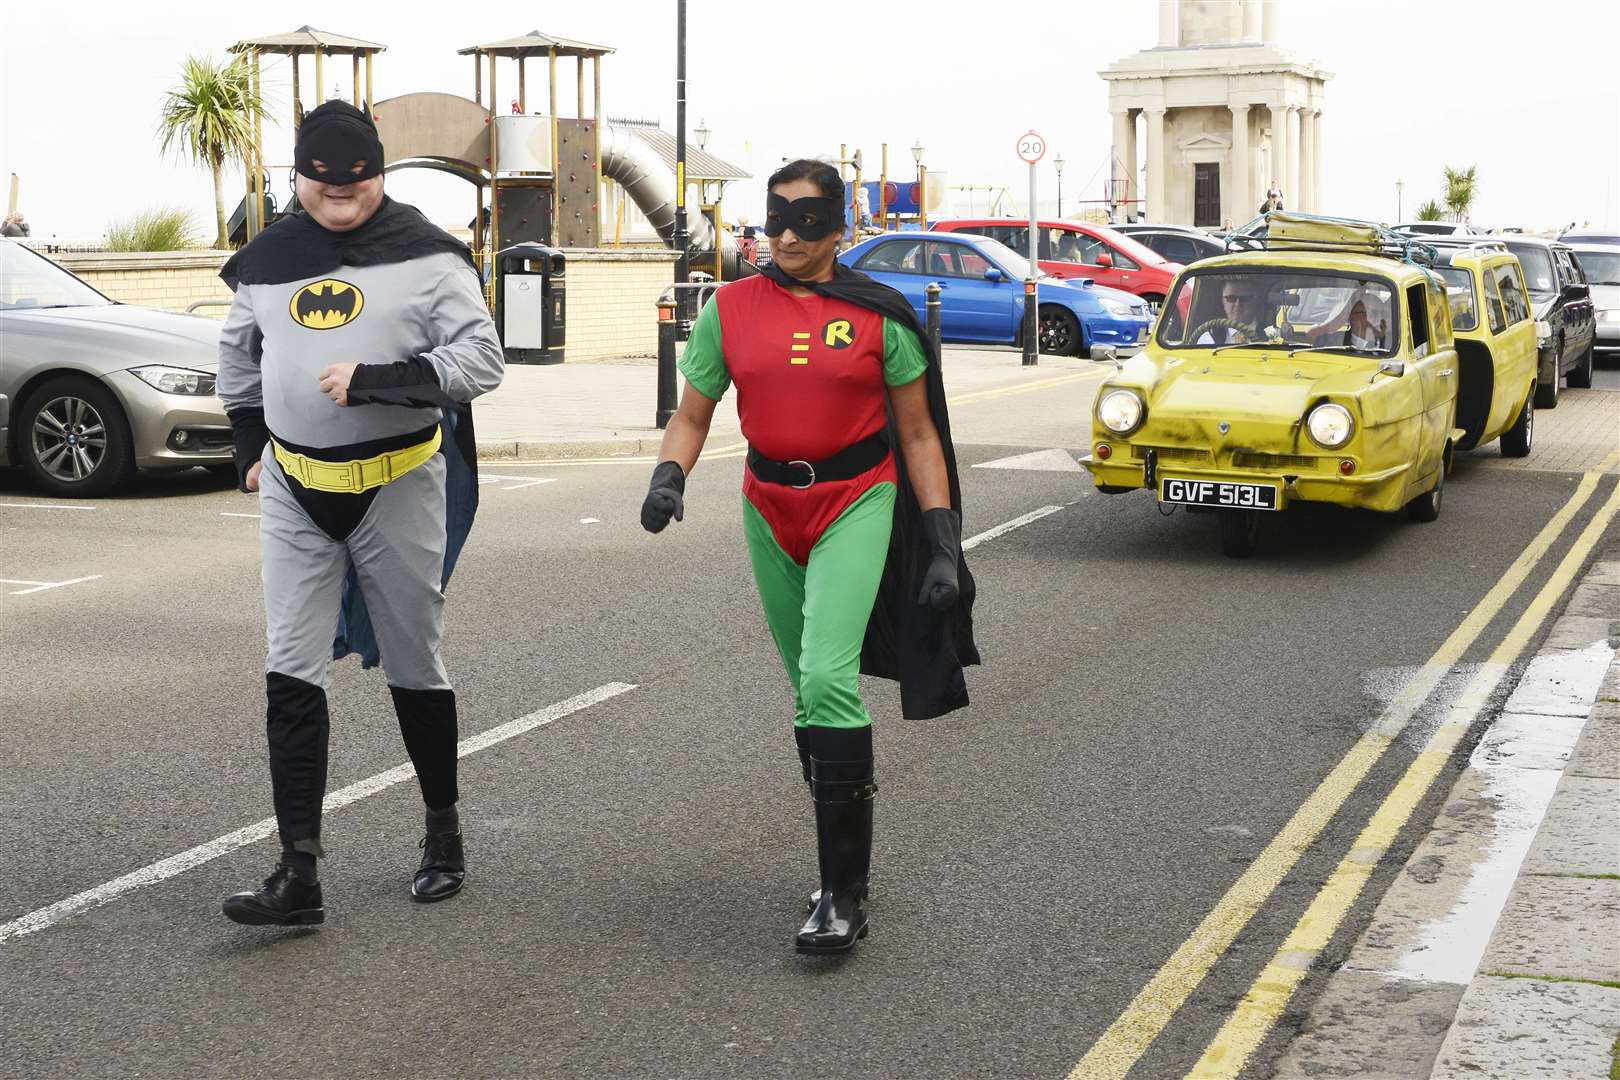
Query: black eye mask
point(811, 218)
point(339, 136)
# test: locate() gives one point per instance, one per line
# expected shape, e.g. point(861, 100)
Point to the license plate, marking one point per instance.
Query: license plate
point(1141, 334)
point(1222, 493)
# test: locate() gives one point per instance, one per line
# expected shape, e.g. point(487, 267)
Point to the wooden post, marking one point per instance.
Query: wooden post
point(371, 102)
point(320, 76)
point(354, 85)
point(478, 77)
point(596, 119)
point(298, 101)
point(255, 221)
point(556, 203)
point(579, 79)
point(883, 189)
point(523, 85)
point(494, 191)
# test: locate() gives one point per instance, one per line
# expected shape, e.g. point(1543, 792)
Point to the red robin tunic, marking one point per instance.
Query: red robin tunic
point(810, 374)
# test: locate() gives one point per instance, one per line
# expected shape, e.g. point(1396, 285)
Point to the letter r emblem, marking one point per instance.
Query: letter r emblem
point(838, 334)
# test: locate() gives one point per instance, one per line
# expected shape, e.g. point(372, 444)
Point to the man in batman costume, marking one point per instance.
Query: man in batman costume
point(851, 506)
point(356, 341)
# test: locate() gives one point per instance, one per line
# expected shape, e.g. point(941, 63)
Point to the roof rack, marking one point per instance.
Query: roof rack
point(1286, 231)
point(1473, 246)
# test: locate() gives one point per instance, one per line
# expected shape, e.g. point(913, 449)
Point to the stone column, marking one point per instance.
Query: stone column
point(1118, 168)
point(1270, 20)
point(1155, 165)
point(1280, 153)
point(1251, 20)
point(1236, 198)
point(1290, 177)
point(1133, 190)
point(1316, 162)
point(1307, 160)
point(1167, 24)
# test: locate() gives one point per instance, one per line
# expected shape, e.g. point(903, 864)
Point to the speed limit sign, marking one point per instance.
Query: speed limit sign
point(1031, 147)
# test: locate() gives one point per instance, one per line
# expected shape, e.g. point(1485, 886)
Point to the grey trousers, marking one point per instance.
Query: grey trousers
point(397, 552)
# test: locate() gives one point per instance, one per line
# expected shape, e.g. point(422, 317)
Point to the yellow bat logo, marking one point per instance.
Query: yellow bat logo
point(838, 334)
point(326, 304)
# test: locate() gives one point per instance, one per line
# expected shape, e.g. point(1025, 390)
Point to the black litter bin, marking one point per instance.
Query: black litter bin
point(530, 309)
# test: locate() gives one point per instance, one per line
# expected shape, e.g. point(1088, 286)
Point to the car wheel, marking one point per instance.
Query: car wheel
point(1058, 332)
point(1426, 507)
point(1240, 533)
point(1547, 393)
point(73, 438)
point(1516, 440)
point(1580, 376)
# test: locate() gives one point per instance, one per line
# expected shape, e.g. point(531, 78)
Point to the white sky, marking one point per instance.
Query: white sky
point(1528, 93)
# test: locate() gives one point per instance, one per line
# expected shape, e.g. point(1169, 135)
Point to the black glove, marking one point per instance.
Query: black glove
point(663, 499)
point(248, 436)
point(412, 383)
point(943, 528)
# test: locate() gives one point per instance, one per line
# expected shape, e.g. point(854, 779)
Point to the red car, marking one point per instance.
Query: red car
point(1074, 249)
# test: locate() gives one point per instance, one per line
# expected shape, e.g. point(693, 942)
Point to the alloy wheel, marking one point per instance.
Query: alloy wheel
point(69, 438)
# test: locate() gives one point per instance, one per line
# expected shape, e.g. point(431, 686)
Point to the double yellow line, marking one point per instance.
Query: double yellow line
point(1122, 1045)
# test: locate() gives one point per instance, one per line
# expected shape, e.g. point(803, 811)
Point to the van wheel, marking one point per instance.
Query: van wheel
point(1547, 393)
point(1580, 376)
point(1516, 440)
point(73, 439)
point(1426, 507)
point(1240, 533)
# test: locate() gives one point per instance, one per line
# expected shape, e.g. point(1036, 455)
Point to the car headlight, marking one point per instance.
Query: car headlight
point(173, 380)
point(1115, 308)
point(1121, 411)
point(1543, 331)
point(1330, 425)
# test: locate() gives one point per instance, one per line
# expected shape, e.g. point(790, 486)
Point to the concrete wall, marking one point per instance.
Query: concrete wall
point(612, 292)
point(612, 301)
point(161, 279)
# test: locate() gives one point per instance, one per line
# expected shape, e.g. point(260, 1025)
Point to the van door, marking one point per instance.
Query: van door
point(1437, 370)
point(1513, 341)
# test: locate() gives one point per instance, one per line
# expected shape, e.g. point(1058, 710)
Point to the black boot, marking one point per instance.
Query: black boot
point(427, 720)
point(443, 870)
point(842, 784)
point(802, 741)
point(288, 897)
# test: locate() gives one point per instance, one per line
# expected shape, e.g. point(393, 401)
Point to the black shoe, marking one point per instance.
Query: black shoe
point(283, 900)
point(443, 869)
point(843, 789)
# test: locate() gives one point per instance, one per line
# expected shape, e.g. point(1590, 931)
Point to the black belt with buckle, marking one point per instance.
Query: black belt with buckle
point(847, 464)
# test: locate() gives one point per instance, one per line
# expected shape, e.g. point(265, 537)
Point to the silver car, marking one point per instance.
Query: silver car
point(91, 389)
point(1601, 265)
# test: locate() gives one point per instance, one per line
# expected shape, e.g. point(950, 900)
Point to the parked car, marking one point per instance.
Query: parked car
point(1324, 371)
point(91, 389)
point(1496, 342)
point(1590, 236)
point(1565, 320)
point(1436, 228)
point(1071, 249)
point(982, 297)
point(1178, 243)
point(1600, 263)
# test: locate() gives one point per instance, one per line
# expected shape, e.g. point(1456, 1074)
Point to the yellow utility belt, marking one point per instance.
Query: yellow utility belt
point(353, 477)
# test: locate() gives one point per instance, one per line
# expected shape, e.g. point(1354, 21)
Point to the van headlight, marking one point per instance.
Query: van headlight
point(1330, 425)
point(173, 380)
point(1543, 331)
point(1121, 411)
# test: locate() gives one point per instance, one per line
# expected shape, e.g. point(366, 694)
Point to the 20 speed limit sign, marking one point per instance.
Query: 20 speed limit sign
point(1031, 147)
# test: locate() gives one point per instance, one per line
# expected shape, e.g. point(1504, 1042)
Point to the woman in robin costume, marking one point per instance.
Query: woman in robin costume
point(851, 508)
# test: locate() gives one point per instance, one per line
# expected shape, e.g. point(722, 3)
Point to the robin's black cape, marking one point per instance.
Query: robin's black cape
point(923, 649)
point(297, 247)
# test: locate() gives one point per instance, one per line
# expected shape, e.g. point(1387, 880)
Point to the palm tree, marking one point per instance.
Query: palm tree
point(1430, 211)
point(209, 116)
point(1461, 187)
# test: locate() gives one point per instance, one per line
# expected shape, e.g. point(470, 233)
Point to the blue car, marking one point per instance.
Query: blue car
point(982, 293)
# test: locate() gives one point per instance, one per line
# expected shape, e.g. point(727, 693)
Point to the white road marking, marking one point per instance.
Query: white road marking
point(1037, 461)
point(224, 845)
point(1008, 526)
point(518, 482)
point(226, 513)
point(589, 521)
point(44, 506)
point(41, 586)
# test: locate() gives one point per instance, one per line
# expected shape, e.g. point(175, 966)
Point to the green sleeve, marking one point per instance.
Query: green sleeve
point(903, 357)
point(704, 362)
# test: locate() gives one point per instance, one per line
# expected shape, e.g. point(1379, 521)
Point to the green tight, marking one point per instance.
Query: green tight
point(818, 613)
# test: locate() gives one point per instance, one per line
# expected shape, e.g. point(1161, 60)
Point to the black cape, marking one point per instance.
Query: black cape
point(296, 247)
point(923, 649)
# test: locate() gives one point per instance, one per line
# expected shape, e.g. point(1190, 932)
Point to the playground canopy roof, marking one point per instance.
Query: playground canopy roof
point(534, 43)
point(699, 164)
point(308, 39)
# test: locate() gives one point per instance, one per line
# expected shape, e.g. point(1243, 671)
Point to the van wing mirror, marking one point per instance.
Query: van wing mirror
point(1105, 354)
point(1392, 367)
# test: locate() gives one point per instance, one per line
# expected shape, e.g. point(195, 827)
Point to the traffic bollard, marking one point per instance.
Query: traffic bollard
point(931, 310)
point(666, 363)
point(1032, 333)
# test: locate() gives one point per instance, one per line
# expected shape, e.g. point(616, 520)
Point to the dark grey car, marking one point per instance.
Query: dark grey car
point(91, 389)
point(1176, 243)
point(1562, 302)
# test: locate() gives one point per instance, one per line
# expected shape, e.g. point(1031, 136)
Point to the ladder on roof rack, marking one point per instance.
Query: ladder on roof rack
point(1280, 230)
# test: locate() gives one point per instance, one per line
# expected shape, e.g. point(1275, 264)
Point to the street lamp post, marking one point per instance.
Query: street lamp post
point(1057, 163)
point(922, 183)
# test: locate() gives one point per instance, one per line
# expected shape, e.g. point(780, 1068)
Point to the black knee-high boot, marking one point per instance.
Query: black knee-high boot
point(297, 726)
point(427, 720)
point(842, 784)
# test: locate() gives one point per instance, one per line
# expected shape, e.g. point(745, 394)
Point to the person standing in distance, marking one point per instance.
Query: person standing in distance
point(356, 340)
point(853, 523)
